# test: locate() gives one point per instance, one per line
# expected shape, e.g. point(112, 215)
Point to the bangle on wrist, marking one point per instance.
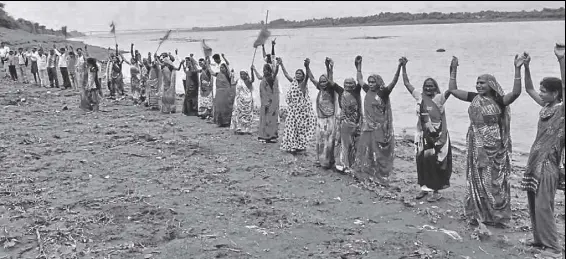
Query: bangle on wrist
point(518, 78)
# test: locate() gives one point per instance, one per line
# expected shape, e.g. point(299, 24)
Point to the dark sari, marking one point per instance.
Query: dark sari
point(269, 110)
point(223, 101)
point(190, 104)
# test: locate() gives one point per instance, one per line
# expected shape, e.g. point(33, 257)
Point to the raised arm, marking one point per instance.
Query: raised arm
point(329, 69)
point(122, 60)
point(280, 61)
point(273, 47)
point(252, 73)
point(276, 72)
point(132, 51)
point(559, 52)
point(263, 51)
point(359, 75)
point(406, 82)
point(259, 77)
point(452, 85)
point(514, 94)
point(529, 88)
point(86, 51)
point(309, 72)
point(225, 60)
point(395, 78)
point(117, 52)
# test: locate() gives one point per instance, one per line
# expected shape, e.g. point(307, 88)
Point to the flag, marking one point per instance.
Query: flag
point(206, 49)
point(165, 37)
point(64, 31)
point(113, 30)
point(262, 37)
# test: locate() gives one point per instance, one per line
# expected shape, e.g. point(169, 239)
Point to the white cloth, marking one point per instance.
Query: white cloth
point(42, 62)
point(4, 52)
point(34, 56)
point(63, 59)
point(21, 58)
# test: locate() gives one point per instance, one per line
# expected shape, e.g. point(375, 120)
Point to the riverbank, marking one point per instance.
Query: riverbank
point(132, 183)
point(23, 39)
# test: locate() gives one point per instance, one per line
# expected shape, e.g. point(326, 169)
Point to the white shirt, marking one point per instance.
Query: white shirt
point(42, 62)
point(4, 51)
point(21, 58)
point(34, 56)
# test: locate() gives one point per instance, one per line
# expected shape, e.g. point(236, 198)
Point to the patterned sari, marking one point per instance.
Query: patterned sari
point(433, 149)
point(349, 127)
point(135, 80)
point(269, 110)
point(153, 87)
point(205, 96)
point(543, 175)
point(168, 96)
point(488, 191)
point(89, 93)
point(326, 124)
point(376, 146)
point(242, 115)
point(300, 122)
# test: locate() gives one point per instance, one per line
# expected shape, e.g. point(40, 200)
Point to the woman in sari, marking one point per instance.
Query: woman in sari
point(488, 191)
point(542, 177)
point(376, 146)
point(169, 72)
point(190, 104)
point(80, 68)
point(223, 100)
point(135, 75)
point(300, 122)
point(154, 83)
point(144, 74)
point(90, 92)
point(269, 108)
point(349, 125)
point(432, 141)
point(205, 94)
point(242, 115)
point(326, 127)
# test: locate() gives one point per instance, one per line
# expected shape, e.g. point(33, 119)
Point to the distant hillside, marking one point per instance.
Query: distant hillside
point(388, 18)
point(8, 22)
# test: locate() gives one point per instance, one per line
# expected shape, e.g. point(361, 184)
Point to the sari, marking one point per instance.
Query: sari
point(300, 122)
point(153, 87)
point(223, 101)
point(143, 82)
point(117, 79)
point(135, 80)
point(543, 176)
point(376, 145)
point(488, 191)
point(80, 71)
point(433, 149)
point(205, 96)
point(190, 103)
point(168, 90)
point(326, 126)
point(242, 115)
point(269, 110)
point(90, 97)
point(349, 127)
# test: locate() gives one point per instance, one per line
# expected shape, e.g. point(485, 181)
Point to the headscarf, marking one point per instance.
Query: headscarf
point(353, 85)
point(506, 116)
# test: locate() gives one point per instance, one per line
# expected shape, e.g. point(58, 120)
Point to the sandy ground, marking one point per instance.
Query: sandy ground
point(132, 183)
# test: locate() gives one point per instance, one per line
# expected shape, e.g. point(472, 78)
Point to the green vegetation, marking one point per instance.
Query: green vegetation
point(8, 22)
point(388, 18)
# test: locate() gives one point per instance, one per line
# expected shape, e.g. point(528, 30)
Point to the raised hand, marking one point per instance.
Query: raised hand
point(176, 52)
point(307, 62)
point(273, 41)
point(559, 50)
point(527, 58)
point(454, 62)
point(519, 61)
point(402, 61)
point(358, 61)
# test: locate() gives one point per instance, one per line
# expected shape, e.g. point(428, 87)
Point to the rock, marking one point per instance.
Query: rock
point(440, 50)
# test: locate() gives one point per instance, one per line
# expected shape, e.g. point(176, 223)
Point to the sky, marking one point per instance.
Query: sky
point(130, 15)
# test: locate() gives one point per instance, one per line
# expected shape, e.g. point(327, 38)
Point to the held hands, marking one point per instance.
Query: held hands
point(454, 62)
point(519, 61)
point(559, 50)
point(527, 59)
point(279, 61)
point(307, 63)
point(273, 41)
point(403, 61)
point(329, 63)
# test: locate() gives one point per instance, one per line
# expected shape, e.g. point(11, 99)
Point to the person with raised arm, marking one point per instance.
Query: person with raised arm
point(205, 100)
point(90, 97)
point(543, 176)
point(269, 108)
point(169, 76)
point(243, 111)
point(376, 146)
point(488, 165)
point(300, 121)
point(326, 102)
point(349, 122)
point(191, 85)
point(432, 141)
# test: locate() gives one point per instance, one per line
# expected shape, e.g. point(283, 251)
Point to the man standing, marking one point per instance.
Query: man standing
point(63, 60)
point(34, 57)
point(52, 61)
point(4, 51)
point(22, 64)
